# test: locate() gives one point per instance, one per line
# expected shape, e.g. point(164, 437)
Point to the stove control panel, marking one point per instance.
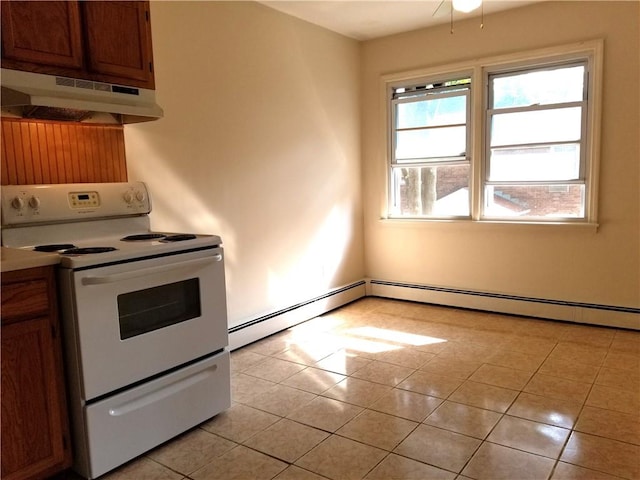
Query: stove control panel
point(26, 204)
point(84, 200)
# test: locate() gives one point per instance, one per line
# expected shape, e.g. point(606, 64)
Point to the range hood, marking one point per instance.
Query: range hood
point(51, 97)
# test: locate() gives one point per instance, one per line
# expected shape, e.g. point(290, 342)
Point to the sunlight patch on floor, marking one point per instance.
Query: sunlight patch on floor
point(395, 336)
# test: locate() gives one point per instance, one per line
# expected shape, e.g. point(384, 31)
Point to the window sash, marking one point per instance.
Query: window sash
point(437, 159)
point(443, 93)
point(456, 206)
point(566, 171)
point(563, 204)
point(492, 144)
point(526, 68)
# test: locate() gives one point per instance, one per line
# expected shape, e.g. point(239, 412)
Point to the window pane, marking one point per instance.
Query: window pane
point(432, 112)
point(542, 87)
point(551, 162)
point(556, 125)
point(537, 201)
point(438, 191)
point(431, 143)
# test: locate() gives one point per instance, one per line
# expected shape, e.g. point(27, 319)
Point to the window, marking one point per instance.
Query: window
point(535, 164)
point(430, 161)
point(513, 139)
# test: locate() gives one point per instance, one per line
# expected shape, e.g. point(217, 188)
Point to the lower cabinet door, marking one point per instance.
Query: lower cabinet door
point(33, 427)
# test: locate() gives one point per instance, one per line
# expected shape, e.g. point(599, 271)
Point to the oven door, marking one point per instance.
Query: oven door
point(127, 322)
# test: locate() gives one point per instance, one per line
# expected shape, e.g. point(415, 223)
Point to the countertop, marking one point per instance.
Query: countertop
point(16, 259)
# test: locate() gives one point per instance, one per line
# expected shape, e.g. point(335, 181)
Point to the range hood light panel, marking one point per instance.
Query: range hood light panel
point(55, 113)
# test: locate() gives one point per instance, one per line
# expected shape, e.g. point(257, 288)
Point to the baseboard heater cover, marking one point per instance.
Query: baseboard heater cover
point(273, 322)
point(606, 315)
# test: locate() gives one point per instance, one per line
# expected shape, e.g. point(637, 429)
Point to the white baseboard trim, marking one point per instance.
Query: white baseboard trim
point(265, 325)
point(605, 315)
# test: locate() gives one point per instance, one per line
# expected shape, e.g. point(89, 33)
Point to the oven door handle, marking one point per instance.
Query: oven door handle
point(117, 277)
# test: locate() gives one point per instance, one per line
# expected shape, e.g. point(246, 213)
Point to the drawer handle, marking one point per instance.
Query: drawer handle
point(162, 393)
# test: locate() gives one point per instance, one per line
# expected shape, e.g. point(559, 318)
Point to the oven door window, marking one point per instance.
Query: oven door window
point(150, 309)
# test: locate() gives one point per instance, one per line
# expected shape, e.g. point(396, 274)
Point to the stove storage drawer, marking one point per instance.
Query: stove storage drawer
point(124, 426)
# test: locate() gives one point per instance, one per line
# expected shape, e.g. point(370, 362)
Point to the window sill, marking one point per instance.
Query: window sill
point(588, 227)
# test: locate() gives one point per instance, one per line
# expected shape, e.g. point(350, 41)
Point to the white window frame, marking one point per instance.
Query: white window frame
point(479, 70)
point(432, 161)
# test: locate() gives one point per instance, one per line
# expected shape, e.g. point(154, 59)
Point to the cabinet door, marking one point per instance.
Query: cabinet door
point(32, 422)
point(118, 36)
point(45, 33)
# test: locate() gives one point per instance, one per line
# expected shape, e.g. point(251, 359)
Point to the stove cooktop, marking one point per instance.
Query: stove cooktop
point(70, 248)
point(90, 252)
point(89, 224)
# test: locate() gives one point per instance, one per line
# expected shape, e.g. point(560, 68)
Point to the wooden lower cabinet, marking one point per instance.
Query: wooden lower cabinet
point(35, 428)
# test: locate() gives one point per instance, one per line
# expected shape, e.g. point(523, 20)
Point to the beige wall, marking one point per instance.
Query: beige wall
point(260, 144)
point(571, 264)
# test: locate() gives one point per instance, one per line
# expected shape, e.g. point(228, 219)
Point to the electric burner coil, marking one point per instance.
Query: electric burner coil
point(143, 236)
point(88, 250)
point(54, 247)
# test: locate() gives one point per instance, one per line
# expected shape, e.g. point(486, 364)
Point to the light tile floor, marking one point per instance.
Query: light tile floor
point(383, 389)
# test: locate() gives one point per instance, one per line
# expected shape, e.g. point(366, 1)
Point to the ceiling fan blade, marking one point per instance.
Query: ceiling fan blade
point(441, 10)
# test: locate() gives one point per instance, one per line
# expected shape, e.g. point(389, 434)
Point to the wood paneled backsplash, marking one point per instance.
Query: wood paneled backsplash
point(39, 151)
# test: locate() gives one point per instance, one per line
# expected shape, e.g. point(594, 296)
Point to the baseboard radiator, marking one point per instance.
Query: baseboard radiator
point(264, 325)
point(594, 314)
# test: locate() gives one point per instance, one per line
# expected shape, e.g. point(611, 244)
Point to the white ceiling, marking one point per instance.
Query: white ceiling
point(366, 19)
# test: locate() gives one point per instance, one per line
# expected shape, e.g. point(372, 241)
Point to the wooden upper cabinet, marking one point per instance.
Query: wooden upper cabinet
point(118, 39)
point(58, 41)
point(106, 41)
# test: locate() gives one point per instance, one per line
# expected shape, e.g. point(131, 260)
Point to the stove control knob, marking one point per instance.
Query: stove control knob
point(17, 203)
point(34, 202)
point(128, 197)
point(140, 196)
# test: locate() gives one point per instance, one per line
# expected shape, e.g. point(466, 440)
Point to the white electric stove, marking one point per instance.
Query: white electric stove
point(143, 313)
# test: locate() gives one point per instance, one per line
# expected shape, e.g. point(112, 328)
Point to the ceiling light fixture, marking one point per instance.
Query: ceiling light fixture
point(466, 6)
